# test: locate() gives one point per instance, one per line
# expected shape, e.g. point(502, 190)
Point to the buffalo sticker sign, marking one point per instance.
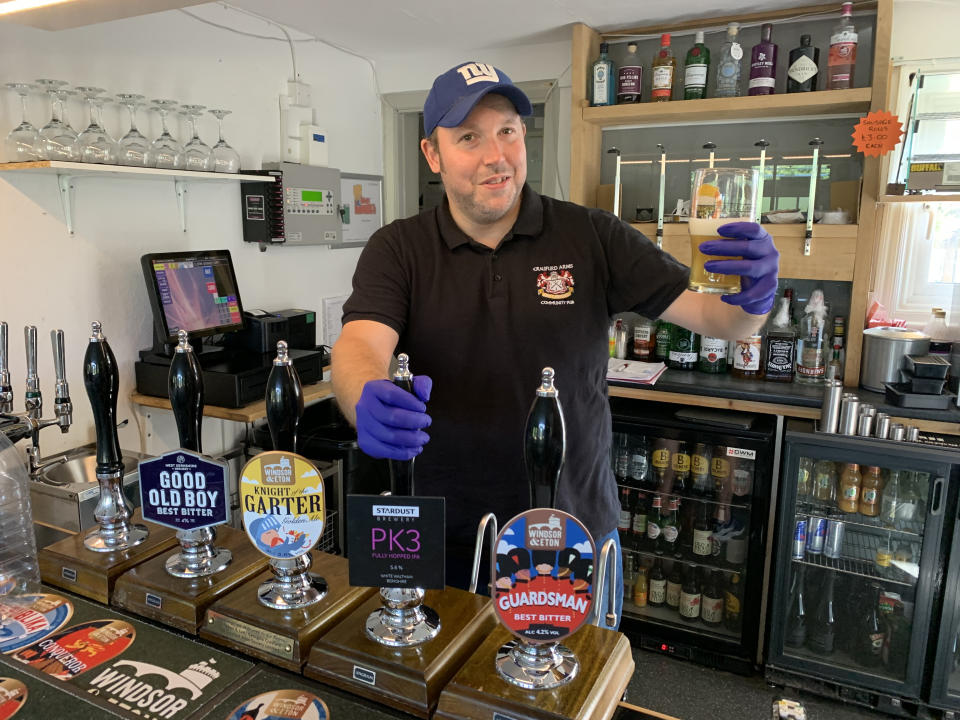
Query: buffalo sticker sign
point(281, 494)
point(544, 584)
point(184, 491)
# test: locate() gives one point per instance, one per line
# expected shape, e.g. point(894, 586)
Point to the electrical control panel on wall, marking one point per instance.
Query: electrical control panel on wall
point(300, 208)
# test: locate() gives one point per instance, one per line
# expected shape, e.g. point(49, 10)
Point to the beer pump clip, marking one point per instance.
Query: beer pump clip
point(403, 620)
point(811, 200)
point(544, 564)
point(282, 496)
point(102, 381)
point(184, 489)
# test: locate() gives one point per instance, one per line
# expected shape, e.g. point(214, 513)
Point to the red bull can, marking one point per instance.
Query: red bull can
point(816, 533)
point(834, 540)
point(799, 538)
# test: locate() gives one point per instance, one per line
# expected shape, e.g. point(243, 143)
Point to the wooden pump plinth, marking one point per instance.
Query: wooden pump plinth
point(409, 679)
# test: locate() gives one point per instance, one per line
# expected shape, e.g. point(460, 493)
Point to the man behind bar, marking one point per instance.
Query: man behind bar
point(485, 291)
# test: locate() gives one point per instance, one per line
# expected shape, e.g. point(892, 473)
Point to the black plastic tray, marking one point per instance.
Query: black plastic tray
point(921, 384)
point(928, 366)
point(900, 394)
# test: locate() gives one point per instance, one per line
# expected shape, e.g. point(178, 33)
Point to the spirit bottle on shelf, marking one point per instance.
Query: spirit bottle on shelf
point(664, 64)
point(728, 65)
point(696, 70)
point(629, 77)
point(763, 63)
point(803, 69)
point(843, 51)
point(811, 343)
point(780, 345)
point(657, 585)
point(602, 92)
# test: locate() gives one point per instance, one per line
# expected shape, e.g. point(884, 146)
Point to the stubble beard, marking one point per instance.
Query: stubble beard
point(477, 212)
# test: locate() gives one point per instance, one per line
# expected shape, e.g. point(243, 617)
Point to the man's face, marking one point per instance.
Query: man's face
point(483, 161)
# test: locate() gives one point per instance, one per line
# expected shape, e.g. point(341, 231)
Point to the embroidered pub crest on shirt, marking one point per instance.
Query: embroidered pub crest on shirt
point(555, 284)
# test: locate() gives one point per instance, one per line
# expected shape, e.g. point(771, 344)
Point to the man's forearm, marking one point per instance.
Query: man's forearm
point(353, 364)
point(708, 315)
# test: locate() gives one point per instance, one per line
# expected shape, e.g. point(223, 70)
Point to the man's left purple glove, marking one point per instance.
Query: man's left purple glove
point(757, 270)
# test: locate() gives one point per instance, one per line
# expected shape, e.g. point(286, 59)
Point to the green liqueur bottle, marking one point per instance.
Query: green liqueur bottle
point(696, 70)
point(684, 349)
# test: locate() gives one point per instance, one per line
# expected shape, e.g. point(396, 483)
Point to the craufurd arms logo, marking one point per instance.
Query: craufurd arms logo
point(281, 494)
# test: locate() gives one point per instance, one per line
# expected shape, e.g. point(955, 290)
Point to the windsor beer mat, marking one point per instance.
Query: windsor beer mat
point(396, 541)
point(544, 584)
point(281, 494)
point(184, 491)
point(13, 696)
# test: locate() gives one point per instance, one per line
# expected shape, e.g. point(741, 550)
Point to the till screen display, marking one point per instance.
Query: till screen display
point(311, 196)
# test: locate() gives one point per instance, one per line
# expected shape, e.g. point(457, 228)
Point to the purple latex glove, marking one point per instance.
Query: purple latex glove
point(757, 270)
point(390, 420)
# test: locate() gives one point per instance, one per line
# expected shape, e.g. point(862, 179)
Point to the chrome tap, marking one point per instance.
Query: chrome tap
point(6, 389)
point(63, 408)
point(32, 399)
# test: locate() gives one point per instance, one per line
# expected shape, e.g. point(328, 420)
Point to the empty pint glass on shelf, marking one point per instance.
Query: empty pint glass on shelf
point(720, 196)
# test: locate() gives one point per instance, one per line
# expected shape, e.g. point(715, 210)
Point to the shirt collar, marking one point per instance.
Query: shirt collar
point(528, 223)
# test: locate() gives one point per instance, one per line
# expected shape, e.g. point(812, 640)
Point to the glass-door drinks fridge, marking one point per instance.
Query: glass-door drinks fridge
point(695, 498)
point(861, 542)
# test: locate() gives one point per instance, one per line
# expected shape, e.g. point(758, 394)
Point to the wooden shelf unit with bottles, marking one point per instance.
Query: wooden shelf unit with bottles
point(845, 252)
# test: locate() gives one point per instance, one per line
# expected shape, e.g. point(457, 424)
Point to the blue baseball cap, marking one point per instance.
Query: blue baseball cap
point(459, 89)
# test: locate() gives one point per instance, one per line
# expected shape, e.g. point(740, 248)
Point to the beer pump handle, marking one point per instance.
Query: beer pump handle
point(102, 382)
point(6, 389)
point(401, 471)
point(185, 388)
point(544, 443)
point(64, 408)
point(284, 401)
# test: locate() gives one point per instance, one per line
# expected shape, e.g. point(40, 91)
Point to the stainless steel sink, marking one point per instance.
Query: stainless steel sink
point(66, 494)
point(82, 468)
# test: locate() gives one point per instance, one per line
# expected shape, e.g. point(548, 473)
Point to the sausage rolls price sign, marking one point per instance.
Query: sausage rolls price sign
point(544, 585)
point(184, 491)
point(396, 541)
point(281, 494)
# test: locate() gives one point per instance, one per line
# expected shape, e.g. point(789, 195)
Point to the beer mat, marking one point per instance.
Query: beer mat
point(121, 664)
point(265, 680)
point(25, 697)
point(634, 371)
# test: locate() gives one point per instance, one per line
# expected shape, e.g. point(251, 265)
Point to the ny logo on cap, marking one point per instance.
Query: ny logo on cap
point(478, 72)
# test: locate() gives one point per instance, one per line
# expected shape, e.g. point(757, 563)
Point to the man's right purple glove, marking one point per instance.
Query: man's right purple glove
point(390, 420)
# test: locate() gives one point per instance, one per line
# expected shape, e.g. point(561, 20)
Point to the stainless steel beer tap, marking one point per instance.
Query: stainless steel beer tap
point(62, 407)
point(6, 389)
point(32, 399)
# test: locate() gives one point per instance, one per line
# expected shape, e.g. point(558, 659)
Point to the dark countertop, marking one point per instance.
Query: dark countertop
point(692, 382)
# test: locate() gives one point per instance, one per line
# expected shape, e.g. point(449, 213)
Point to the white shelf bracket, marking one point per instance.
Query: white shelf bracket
point(181, 189)
point(65, 183)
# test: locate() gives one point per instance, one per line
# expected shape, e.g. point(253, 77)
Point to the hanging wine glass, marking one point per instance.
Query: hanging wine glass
point(134, 147)
point(58, 141)
point(197, 155)
point(166, 151)
point(225, 158)
point(96, 145)
point(23, 142)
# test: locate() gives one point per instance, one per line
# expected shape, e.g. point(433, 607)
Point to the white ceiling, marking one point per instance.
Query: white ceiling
point(385, 29)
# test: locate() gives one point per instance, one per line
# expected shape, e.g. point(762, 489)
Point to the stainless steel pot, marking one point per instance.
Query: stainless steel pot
point(883, 352)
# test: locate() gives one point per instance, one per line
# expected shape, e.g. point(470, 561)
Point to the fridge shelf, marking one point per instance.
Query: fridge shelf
point(688, 560)
point(667, 615)
point(913, 528)
point(686, 496)
point(841, 658)
point(858, 553)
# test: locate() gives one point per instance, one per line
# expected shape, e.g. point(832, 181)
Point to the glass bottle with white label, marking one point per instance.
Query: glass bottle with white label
point(728, 65)
point(664, 64)
point(603, 88)
point(713, 355)
point(684, 349)
point(746, 360)
point(696, 70)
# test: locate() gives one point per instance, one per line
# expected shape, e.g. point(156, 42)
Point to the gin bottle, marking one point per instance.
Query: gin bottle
point(728, 66)
point(812, 341)
point(603, 90)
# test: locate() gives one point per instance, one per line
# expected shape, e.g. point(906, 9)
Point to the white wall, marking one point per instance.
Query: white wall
point(924, 29)
point(52, 280)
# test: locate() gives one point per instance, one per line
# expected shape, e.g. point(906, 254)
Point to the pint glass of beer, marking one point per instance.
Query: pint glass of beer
point(720, 196)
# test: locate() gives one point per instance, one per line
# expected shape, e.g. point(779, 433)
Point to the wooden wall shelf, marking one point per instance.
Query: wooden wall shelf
point(833, 248)
point(919, 198)
point(742, 109)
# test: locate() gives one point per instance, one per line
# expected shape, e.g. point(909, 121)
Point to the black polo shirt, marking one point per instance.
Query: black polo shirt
point(483, 323)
